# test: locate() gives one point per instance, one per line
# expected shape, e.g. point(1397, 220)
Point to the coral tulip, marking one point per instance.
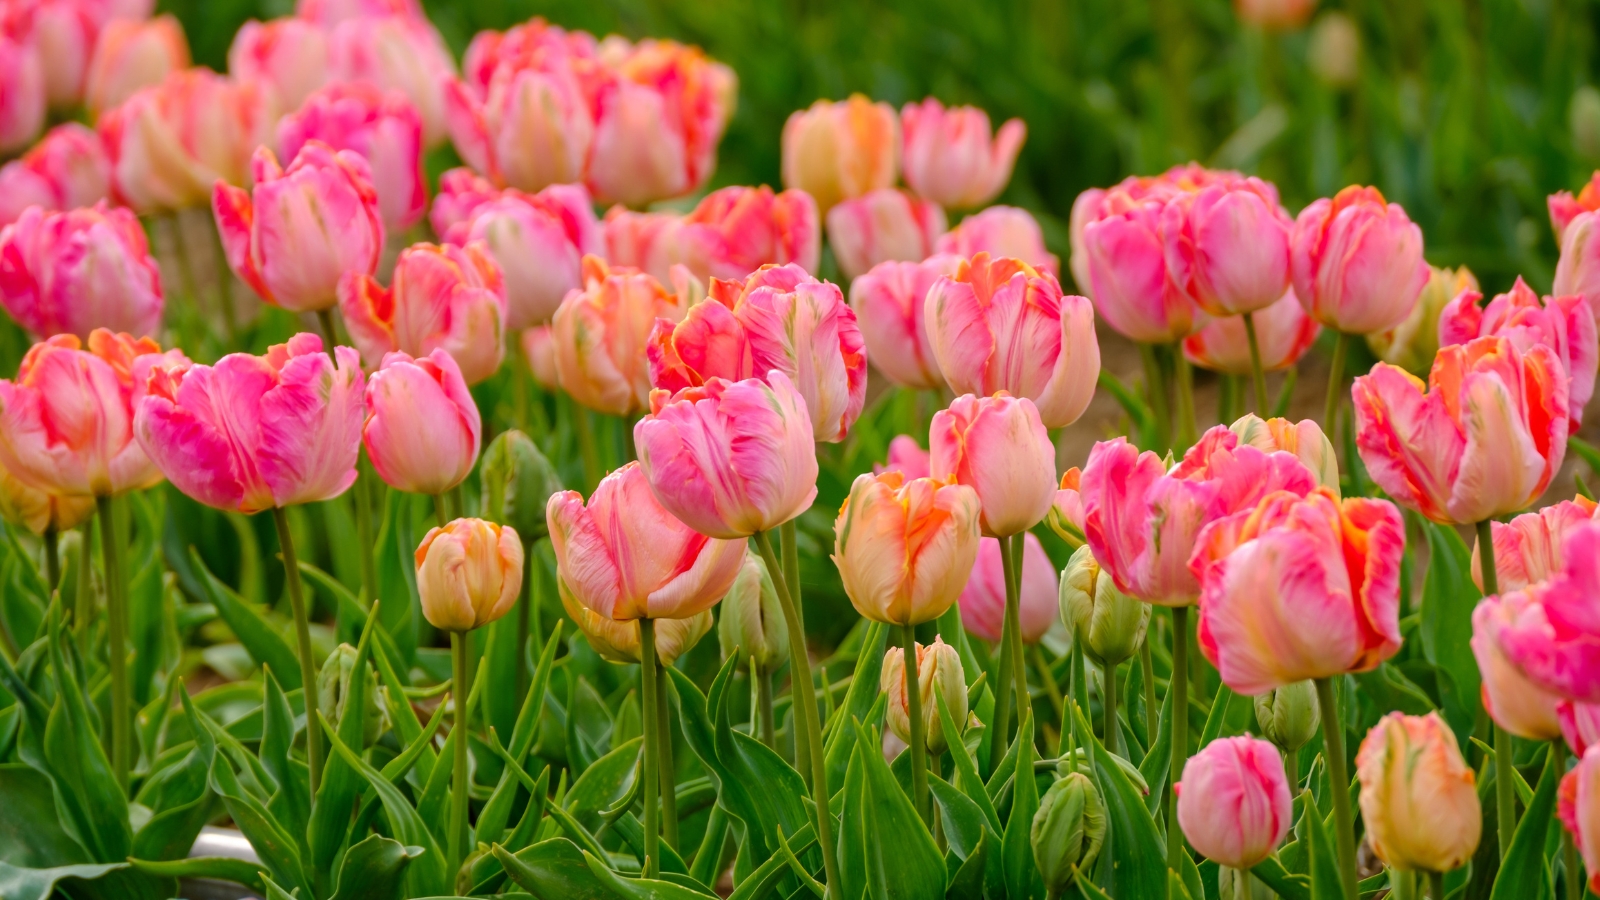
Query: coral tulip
point(905, 547)
point(1304, 439)
point(1000, 231)
point(1066, 513)
point(840, 150)
point(998, 447)
point(938, 674)
point(290, 54)
point(1512, 701)
point(1419, 800)
point(1283, 334)
point(402, 53)
point(882, 225)
point(983, 600)
point(907, 457)
point(1578, 268)
point(618, 642)
point(22, 105)
point(73, 272)
point(1411, 345)
point(1227, 246)
point(889, 304)
point(729, 234)
point(1233, 801)
point(1357, 261)
point(1564, 207)
point(1553, 633)
point(67, 169)
point(951, 157)
point(1529, 548)
point(1564, 324)
point(423, 430)
point(469, 573)
point(532, 44)
point(600, 332)
point(382, 127)
point(131, 55)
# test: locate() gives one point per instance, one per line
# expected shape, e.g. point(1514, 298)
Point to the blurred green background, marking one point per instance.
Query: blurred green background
point(1468, 112)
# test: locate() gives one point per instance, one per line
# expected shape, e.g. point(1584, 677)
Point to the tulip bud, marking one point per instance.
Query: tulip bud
point(1233, 801)
point(618, 641)
point(423, 428)
point(1288, 715)
point(468, 573)
point(517, 482)
point(1107, 623)
point(752, 623)
point(1066, 513)
point(1419, 801)
point(333, 692)
point(938, 670)
point(1068, 830)
point(1334, 54)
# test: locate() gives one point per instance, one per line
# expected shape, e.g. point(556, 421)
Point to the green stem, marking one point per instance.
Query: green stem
point(1262, 407)
point(1436, 885)
point(1002, 688)
point(918, 739)
point(1155, 389)
point(526, 611)
point(791, 574)
point(329, 333)
point(83, 609)
point(1051, 688)
point(1291, 767)
point(1186, 423)
point(302, 632)
point(1504, 788)
point(1019, 663)
point(764, 705)
point(52, 557)
point(1403, 885)
point(1339, 783)
point(652, 737)
point(669, 772)
point(117, 641)
point(1147, 670)
point(805, 705)
point(583, 424)
point(1330, 406)
point(364, 534)
point(1108, 673)
point(460, 786)
point(438, 510)
point(1179, 685)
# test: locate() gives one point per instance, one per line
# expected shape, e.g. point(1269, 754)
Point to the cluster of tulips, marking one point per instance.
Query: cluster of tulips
point(711, 332)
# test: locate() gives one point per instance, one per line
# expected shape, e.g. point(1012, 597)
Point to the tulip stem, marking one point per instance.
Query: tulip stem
point(83, 609)
point(1108, 671)
point(1262, 407)
point(1436, 885)
point(582, 424)
point(805, 710)
point(1339, 782)
point(1569, 851)
point(527, 615)
point(669, 772)
point(363, 501)
point(1330, 406)
point(791, 574)
point(1155, 385)
point(652, 737)
point(117, 640)
point(1019, 657)
point(1505, 798)
point(460, 786)
point(764, 705)
point(919, 739)
point(52, 557)
point(438, 510)
point(329, 333)
point(1003, 682)
point(1147, 671)
point(1179, 685)
point(1051, 688)
point(302, 632)
point(1186, 425)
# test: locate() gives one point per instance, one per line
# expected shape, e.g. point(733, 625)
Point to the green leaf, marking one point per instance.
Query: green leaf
point(967, 882)
point(292, 802)
point(1325, 880)
point(1522, 871)
point(1157, 762)
point(372, 869)
point(1218, 715)
point(492, 820)
point(220, 868)
point(641, 888)
point(967, 768)
point(1131, 836)
point(1288, 886)
point(30, 835)
point(890, 852)
point(1016, 847)
point(112, 881)
point(184, 807)
point(263, 642)
point(1448, 598)
point(964, 823)
point(858, 701)
point(554, 869)
point(78, 763)
point(397, 573)
point(604, 783)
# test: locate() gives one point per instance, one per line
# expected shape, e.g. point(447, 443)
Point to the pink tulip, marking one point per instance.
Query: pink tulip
point(644, 240)
point(626, 557)
point(422, 430)
point(63, 34)
point(1095, 204)
point(888, 302)
point(1564, 207)
point(1233, 801)
point(67, 421)
point(1553, 634)
point(1227, 246)
point(952, 159)
point(461, 191)
point(779, 319)
point(1578, 268)
point(539, 241)
point(1143, 522)
point(1000, 231)
point(837, 150)
point(531, 44)
point(400, 53)
point(732, 233)
point(290, 54)
point(1275, 15)
point(257, 432)
point(530, 127)
point(1483, 441)
point(1564, 324)
point(1127, 273)
point(1528, 549)
point(1066, 512)
point(1002, 325)
point(1357, 261)
point(1578, 808)
point(469, 573)
point(730, 458)
point(1283, 334)
point(1303, 439)
point(1512, 701)
point(1419, 798)
point(131, 55)
point(907, 457)
point(38, 511)
point(170, 143)
point(998, 447)
point(538, 347)
point(300, 230)
point(880, 226)
point(382, 127)
point(904, 547)
point(22, 102)
point(73, 272)
point(1580, 724)
point(442, 297)
point(67, 169)
point(601, 333)
point(983, 600)
point(332, 12)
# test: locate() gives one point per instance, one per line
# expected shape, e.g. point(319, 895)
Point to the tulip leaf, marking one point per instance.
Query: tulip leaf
point(884, 848)
point(30, 833)
point(1326, 883)
point(1132, 404)
point(112, 881)
point(967, 882)
point(183, 807)
point(1132, 841)
point(1218, 717)
point(1522, 872)
point(1288, 886)
point(259, 638)
point(858, 701)
point(1448, 598)
point(967, 768)
point(605, 782)
point(397, 573)
point(492, 820)
point(329, 830)
point(1157, 762)
point(553, 868)
point(219, 868)
point(642, 888)
point(964, 824)
point(1016, 848)
point(371, 870)
point(292, 803)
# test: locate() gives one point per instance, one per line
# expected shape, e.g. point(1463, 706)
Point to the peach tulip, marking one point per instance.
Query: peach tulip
point(469, 573)
point(998, 447)
point(600, 333)
point(401, 53)
point(1512, 701)
point(1227, 246)
point(441, 297)
point(63, 35)
point(888, 302)
point(905, 547)
point(422, 430)
point(1283, 334)
point(1419, 799)
point(73, 272)
point(1484, 440)
point(382, 127)
point(1564, 207)
point(531, 128)
point(1357, 261)
point(729, 234)
point(1553, 634)
point(1303, 439)
point(300, 230)
point(1298, 588)
point(131, 55)
point(1001, 325)
point(1529, 548)
point(618, 642)
point(839, 150)
point(67, 169)
point(1412, 344)
point(1233, 801)
point(938, 674)
point(730, 458)
point(22, 104)
point(36, 510)
point(289, 54)
point(1000, 231)
point(1564, 324)
point(882, 225)
point(952, 158)
point(67, 421)
point(907, 457)
point(983, 600)
point(1578, 808)
point(626, 557)
point(257, 432)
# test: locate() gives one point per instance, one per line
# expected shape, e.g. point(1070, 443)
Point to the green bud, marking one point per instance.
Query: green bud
point(333, 692)
point(1288, 715)
point(1079, 761)
point(517, 482)
point(752, 621)
point(1067, 830)
point(1107, 623)
point(1584, 116)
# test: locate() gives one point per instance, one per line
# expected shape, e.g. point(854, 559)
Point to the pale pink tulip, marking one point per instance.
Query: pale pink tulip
point(422, 430)
point(904, 546)
point(1357, 261)
point(1578, 268)
point(998, 447)
point(131, 55)
point(63, 34)
point(883, 225)
point(1528, 549)
point(1554, 635)
point(907, 457)
point(530, 128)
point(1283, 334)
point(290, 54)
point(395, 52)
point(1564, 324)
point(1512, 701)
point(469, 573)
point(951, 157)
point(73, 272)
point(1000, 231)
point(461, 191)
point(1419, 798)
point(889, 307)
point(600, 333)
point(382, 127)
point(839, 150)
point(1227, 246)
point(1233, 801)
point(983, 600)
point(22, 94)
point(67, 169)
point(1578, 808)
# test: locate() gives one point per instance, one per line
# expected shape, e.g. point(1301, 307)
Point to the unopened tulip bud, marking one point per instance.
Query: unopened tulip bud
point(1288, 715)
point(1066, 514)
point(517, 481)
point(1107, 623)
point(333, 692)
point(1419, 801)
point(469, 573)
point(752, 623)
point(1068, 830)
point(618, 641)
point(1233, 801)
point(938, 670)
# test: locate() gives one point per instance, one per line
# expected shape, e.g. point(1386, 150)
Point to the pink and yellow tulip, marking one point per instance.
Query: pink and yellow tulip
point(1564, 324)
point(599, 335)
point(838, 150)
point(469, 573)
point(1357, 261)
point(905, 546)
point(1419, 799)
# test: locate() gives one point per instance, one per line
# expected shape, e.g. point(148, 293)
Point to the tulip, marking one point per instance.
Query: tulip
point(1108, 624)
point(1125, 271)
point(1564, 324)
point(1357, 261)
point(904, 547)
point(1576, 269)
point(1066, 513)
point(889, 307)
point(1483, 441)
point(62, 34)
point(131, 55)
point(1288, 716)
point(1412, 344)
point(618, 642)
point(382, 127)
point(1564, 207)
point(983, 600)
point(880, 226)
point(1001, 231)
point(1227, 246)
point(300, 230)
point(1551, 634)
point(841, 150)
point(1578, 808)
point(40, 511)
point(1580, 724)
point(170, 143)
point(938, 674)
point(1418, 799)
point(516, 482)
point(423, 429)
point(752, 627)
point(1274, 15)
point(332, 12)
point(907, 457)
point(1283, 333)
point(22, 107)
point(402, 53)
point(1515, 703)
point(469, 572)
point(67, 169)
point(539, 241)
point(538, 346)
point(460, 192)
point(1233, 801)
point(643, 240)
point(448, 297)
point(530, 129)
point(952, 159)
point(732, 233)
point(687, 448)
point(532, 44)
point(74, 272)
point(1304, 439)
point(1095, 204)
point(1002, 325)
point(1068, 831)
point(334, 683)
point(779, 319)
point(290, 54)
point(998, 447)
point(1528, 549)
point(599, 335)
